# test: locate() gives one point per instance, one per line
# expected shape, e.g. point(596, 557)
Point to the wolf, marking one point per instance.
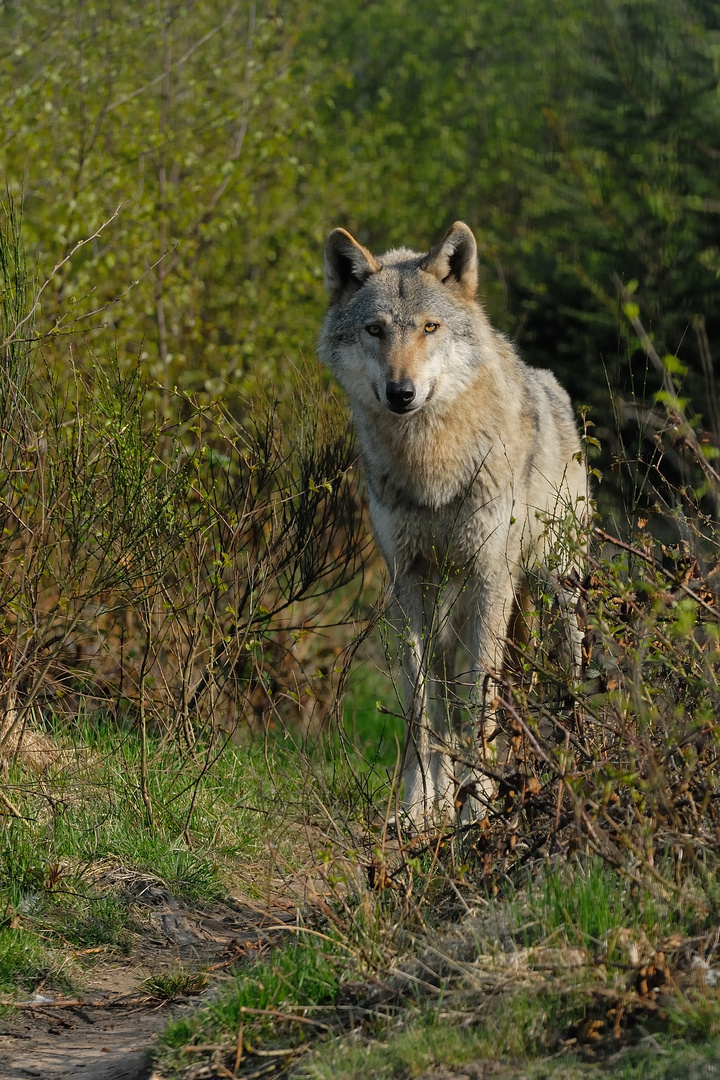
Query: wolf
point(471, 459)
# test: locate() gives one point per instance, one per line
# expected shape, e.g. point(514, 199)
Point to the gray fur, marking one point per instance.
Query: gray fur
point(463, 479)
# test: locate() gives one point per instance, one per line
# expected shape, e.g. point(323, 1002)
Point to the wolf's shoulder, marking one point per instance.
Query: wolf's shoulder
point(553, 404)
point(544, 383)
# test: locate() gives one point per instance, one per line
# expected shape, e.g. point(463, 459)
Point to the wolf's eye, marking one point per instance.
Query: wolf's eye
point(374, 329)
point(431, 327)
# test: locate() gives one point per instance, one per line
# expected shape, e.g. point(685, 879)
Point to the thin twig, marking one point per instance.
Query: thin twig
point(651, 561)
point(81, 243)
point(76, 1003)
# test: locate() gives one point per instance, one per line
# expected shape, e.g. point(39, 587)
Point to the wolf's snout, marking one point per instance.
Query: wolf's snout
point(400, 395)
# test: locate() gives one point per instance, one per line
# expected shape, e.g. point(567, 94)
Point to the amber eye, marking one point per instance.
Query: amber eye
point(374, 329)
point(430, 327)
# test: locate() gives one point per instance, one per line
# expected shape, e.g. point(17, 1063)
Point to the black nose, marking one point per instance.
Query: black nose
point(400, 395)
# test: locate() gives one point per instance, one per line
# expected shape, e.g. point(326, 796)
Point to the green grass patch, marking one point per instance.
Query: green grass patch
point(517, 1036)
point(303, 972)
point(179, 981)
point(663, 1058)
point(67, 865)
point(585, 903)
point(582, 904)
point(26, 961)
point(509, 1028)
point(94, 922)
point(351, 766)
point(376, 734)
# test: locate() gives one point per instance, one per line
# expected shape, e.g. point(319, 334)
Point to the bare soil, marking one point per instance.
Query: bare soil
point(106, 1033)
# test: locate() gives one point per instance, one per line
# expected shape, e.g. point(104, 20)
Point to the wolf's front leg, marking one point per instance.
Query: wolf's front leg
point(429, 788)
point(488, 633)
point(446, 717)
point(418, 782)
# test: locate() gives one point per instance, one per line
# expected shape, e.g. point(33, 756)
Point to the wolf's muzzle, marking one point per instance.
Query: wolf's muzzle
point(400, 395)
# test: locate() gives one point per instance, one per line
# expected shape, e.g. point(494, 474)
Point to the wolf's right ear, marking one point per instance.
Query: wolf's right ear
point(454, 260)
point(348, 265)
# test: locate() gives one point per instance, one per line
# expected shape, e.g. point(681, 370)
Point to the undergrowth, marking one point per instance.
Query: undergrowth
point(183, 614)
point(534, 973)
point(75, 858)
point(70, 862)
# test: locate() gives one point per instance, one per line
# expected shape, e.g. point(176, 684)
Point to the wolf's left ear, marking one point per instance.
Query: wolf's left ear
point(454, 260)
point(348, 265)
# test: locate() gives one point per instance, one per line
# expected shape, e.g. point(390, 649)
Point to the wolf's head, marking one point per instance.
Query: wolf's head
point(402, 329)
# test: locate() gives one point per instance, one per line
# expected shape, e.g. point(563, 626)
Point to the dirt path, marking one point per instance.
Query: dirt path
point(108, 1033)
point(112, 1045)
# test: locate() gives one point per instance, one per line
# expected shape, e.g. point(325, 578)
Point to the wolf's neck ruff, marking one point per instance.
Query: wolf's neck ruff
point(469, 454)
point(436, 453)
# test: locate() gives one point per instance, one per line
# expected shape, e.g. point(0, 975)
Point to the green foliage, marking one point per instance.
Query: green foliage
point(169, 533)
point(470, 1051)
point(188, 119)
point(578, 141)
point(514, 1028)
point(674, 1059)
point(364, 753)
point(162, 565)
point(584, 902)
point(70, 863)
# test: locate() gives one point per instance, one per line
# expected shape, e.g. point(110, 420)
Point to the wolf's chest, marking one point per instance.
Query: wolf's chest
point(436, 543)
point(425, 466)
point(436, 500)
